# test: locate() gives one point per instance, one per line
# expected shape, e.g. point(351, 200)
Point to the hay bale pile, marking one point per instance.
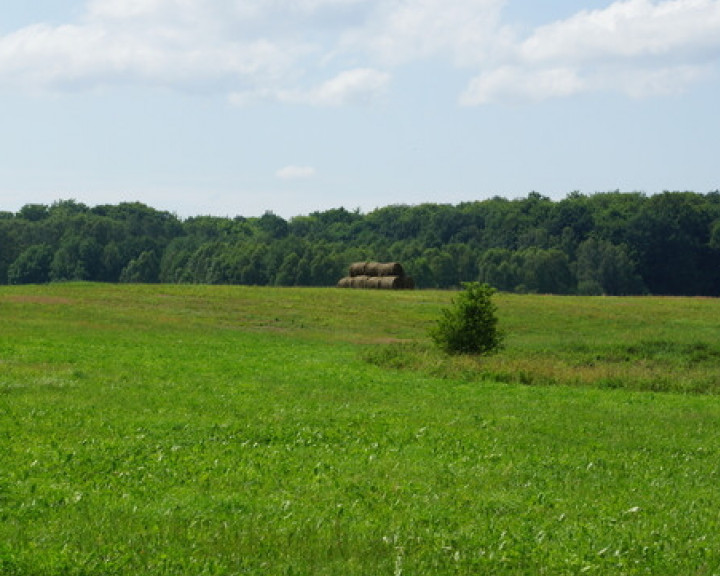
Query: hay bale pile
point(377, 275)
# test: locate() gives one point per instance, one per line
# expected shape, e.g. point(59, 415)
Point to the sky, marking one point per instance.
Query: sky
point(238, 107)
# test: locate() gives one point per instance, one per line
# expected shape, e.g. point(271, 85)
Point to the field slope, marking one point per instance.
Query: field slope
point(231, 430)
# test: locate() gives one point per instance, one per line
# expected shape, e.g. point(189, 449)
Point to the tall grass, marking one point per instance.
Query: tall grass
point(227, 430)
point(651, 344)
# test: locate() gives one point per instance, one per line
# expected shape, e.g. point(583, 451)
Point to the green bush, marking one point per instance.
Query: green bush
point(470, 325)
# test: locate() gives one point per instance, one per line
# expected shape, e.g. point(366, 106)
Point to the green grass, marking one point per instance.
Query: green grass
point(229, 430)
point(650, 344)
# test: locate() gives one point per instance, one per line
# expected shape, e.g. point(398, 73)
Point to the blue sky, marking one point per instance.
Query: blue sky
point(235, 107)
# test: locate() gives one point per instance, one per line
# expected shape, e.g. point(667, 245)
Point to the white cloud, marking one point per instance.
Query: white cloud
point(295, 172)
point(90, 54)
point(340, 52)
point(636, 47)
point(513, 84)
point(400, 31)
point(629, 29)
point(180, 44)
point(359, 86)
point(258, 49)
point(124, 9)
point(661, 81)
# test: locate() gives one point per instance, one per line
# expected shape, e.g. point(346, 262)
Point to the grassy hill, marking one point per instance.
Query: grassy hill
point(234, 430)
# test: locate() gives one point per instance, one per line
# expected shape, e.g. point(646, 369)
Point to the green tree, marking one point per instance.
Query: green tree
point(670, 237)
point(443, 267)
point(498, 268)
point(67, 264)
point(253, 271)
point(111, 263)
point(273, 226)
point(304, 276)
point(10, 247)
point(32, 266)
point(143, 269)
point(196, 267)
point(603, 268)
point(470, 325)
point(34, 212)
point(546, 271)
point(420, 270)
point(287, 273)
point(325, 268)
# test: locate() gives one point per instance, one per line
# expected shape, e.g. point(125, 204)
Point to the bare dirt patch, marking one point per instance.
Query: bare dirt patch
point(33, 299)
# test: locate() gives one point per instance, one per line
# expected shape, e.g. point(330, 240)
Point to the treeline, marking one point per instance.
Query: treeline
point(611, 243)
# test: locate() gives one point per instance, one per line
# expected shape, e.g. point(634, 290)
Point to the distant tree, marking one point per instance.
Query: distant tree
point(67, 208)
point(253, 270)
point(32, 266)
point(670, 237)
point(287, 273)
point(34, 212)
point(443, 268)
point(614, 216)
point(603, 268)
point(274, 226)
point(144, 269)
point(174, 261)
point(665, 244)
point(10, 247)
point(714, 242)
point(111, 263)
point(546, 271)
point(67, 264)
point(196, 268)
point(210, 228)
point(420, 271)
point(498, 268)
point(222, 265)
point(572, 216)
point(304, 274)
point(325, 268)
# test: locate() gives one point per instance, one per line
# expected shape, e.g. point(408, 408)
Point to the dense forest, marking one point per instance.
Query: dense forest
point(610, 243)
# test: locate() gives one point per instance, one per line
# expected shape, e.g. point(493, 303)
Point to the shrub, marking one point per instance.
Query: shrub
point(469, 326)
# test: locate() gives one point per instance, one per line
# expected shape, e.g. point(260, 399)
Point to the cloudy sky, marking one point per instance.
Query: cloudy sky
point(235, 107)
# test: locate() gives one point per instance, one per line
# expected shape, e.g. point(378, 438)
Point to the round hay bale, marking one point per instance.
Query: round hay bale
point(391, 282)
point(359, 282)
point(344, 282)
point(358, 268)
point(371, 268)
point(390, 269)
point(376, 269)
point(374, 282)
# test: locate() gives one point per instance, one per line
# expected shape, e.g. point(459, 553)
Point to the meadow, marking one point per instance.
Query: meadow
point(219, 430)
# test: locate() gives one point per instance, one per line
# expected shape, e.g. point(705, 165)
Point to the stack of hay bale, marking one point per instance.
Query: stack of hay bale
point(379, 275)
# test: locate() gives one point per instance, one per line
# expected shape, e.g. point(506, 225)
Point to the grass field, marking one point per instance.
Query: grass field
point(232, 430)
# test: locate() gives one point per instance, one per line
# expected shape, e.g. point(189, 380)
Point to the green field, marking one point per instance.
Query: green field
point(232, 430)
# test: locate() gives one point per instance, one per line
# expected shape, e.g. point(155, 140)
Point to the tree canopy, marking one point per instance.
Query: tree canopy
point(608, 243)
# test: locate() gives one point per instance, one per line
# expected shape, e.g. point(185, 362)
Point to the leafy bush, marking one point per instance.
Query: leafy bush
point(470, 325)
